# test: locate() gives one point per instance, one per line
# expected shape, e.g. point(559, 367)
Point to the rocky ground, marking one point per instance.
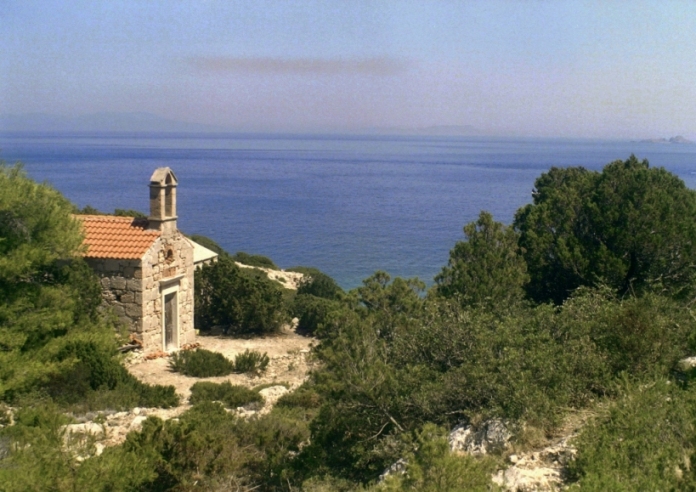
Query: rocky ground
point(289, 367)
point(288, 353)
point(289, 280)
point(531, 468)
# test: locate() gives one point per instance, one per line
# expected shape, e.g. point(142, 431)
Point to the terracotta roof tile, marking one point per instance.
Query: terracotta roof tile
point(122, 238)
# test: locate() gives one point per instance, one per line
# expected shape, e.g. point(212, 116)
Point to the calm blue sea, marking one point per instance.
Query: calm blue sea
point(347, 205)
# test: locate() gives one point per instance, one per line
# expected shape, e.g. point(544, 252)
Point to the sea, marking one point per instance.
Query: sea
point(348, 205)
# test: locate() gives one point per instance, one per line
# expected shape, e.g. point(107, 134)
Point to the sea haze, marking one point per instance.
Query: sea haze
point(347, 205)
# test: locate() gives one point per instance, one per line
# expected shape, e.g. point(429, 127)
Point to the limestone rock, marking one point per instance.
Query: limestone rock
point(84, 429)
point(687, 364)
point(528, 479)
point(493, 435)
point(273, 393)
point(137, 423)
point(397, 468)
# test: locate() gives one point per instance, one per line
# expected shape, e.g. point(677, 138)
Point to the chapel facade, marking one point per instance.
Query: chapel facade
point(146, 267)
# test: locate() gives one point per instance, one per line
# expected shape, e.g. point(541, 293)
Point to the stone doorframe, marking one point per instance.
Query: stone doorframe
point(170, 287)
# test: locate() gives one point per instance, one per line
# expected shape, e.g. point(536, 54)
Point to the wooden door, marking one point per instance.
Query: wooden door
point(170, 321)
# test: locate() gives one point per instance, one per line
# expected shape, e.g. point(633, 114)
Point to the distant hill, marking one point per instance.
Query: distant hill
point(674, 140)
point(99, 122)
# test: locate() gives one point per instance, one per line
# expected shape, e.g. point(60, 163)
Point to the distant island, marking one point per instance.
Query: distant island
point(674, 140)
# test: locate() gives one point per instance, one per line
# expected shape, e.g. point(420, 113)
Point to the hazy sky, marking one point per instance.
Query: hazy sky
point(546, 68)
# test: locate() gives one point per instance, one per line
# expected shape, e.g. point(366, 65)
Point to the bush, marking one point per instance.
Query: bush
point(227, 296)
point(254, 260)
point(630, 227)
point(251, 362)
point(200, 363)
point(232, 396)
point(120, 212)
point(37, 458)
point(643, 442)
point(487, 269)
point(97, 381)
point(317, 283)
point(313, 312)
point(433, 468)
point(206, 242)
point(300, 398)
point(216, 450)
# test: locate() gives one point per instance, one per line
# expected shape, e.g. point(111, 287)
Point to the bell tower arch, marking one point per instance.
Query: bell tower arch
point(163, 216)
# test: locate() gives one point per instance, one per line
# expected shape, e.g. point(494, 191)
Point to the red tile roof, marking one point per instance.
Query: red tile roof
point(119, 238)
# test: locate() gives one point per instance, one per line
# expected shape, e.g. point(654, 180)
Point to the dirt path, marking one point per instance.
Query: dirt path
point(543, 467)
point(288, 353)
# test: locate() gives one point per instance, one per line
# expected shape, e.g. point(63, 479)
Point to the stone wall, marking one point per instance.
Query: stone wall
point(134, 289)
point(167, 264)
point(122, 289)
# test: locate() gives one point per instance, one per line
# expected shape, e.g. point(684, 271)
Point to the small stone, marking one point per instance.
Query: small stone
point(687, 363)
point(137, 422)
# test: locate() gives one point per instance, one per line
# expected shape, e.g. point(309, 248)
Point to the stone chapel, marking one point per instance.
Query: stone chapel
point(146, 267)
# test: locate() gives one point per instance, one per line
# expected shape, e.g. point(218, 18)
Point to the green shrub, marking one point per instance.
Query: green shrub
point(433, 468)
point(317, 284)
point(251, 362)
point(643, 442)
point(216, 450)
point(313, 313)
point(206, 242)
point(487, 269)
point(263, 386)
point(254, 260)
point(120, 212)
point(97, 381)
point(201, 363)
point(629, 227)
point(232, 396)
point(36, 458)
point(301, 398)
point(245, 303)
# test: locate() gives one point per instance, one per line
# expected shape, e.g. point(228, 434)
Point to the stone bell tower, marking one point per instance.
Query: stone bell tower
point(163, 201)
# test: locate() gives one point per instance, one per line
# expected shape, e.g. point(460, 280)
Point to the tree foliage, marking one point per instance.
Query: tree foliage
point(246, 303)
point(36, 229)
point(630, 227)
point(316, 283)
point(432, 467)
point(487, 269)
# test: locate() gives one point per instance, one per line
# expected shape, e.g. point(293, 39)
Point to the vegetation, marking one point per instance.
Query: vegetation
point(231, 395)
point(208, 243)
point(254, 260)
point(629, 227)
point(53, 341)
point(644, 441)
point(119, 212)
point(585, 302)
point(201, 363)
point(431, 467)
point(317, 284)
point(487, 269)
point(251, 362)
point(318, 295)
point(244, 303)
